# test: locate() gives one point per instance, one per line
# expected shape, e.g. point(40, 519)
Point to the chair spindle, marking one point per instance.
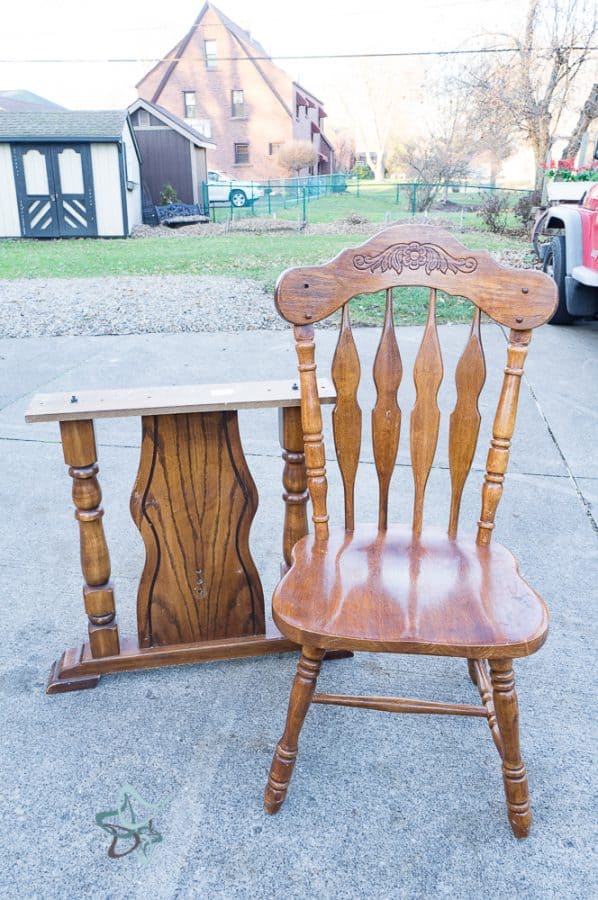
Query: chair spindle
point(470, 376)
point(425, 415)
point(386, 414)
point(502, 432)
point(311, 419)
point(346, 416)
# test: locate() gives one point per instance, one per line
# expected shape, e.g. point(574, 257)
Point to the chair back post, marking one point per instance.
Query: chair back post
point(313, 439)
point(502, 432)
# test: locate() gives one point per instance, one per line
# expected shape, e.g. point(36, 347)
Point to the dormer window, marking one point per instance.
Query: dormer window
point(210, 54)
point(237, 104)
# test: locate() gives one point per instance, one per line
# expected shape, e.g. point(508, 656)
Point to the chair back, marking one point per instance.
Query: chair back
point(406, 256)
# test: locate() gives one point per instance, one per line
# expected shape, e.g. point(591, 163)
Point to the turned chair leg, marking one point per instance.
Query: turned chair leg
point(472, 671)
point(285, 754)
point(514, 773)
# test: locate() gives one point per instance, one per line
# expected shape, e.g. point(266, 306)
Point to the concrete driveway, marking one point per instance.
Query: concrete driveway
point(381, 805)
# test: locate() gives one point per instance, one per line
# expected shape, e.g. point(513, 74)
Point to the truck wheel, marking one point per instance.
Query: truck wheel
point(555, 265)
point(238, 198)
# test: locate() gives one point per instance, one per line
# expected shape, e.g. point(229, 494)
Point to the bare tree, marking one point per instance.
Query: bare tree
point(297, 155)
point(589, 112)
point(373, 95)
point(344, 148)
point(443, 154)
point(489, 123)
point(533, 84)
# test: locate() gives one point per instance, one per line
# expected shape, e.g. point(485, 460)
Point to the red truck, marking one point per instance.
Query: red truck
point(571, 257)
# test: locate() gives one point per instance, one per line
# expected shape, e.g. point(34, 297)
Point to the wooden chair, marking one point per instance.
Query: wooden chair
point(405, 588)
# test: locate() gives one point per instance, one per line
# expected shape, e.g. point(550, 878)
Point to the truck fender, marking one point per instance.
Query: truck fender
point(568, 217)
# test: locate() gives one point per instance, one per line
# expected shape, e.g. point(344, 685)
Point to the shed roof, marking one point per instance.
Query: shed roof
point(169, 118)
point(66, 124)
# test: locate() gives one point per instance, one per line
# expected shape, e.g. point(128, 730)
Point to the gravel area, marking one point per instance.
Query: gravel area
point(134, 304)
point(142, 304)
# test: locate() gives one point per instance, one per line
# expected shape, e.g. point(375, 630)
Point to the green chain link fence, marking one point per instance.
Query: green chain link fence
point(329, 198)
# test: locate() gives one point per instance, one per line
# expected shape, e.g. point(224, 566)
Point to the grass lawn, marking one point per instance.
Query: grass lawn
point(245, 255)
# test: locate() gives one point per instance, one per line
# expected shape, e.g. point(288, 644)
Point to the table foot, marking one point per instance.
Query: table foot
point(58, 685)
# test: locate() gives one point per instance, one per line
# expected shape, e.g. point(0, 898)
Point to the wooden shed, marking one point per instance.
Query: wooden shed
point(68, 173)
point(172, 153)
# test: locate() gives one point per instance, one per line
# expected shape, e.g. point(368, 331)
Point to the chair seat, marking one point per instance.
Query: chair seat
point(388, 591)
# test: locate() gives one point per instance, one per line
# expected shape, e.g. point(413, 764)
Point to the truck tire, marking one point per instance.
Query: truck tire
point(555, 265)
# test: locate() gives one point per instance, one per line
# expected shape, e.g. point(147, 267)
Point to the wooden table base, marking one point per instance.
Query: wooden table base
point(77, 669)
point(200, 597)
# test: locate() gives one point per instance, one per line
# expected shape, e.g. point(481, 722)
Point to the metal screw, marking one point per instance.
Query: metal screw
point(74, 399)
point(519, 319)
point(525, 290)
point(307, 315)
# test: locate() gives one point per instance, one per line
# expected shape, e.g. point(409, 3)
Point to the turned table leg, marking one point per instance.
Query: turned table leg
point(294, 481)
point(80, 454)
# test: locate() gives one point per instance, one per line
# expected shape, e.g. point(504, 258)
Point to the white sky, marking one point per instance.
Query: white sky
point(51, 29)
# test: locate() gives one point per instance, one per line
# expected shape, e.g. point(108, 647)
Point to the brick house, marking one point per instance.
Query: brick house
point(221, 81)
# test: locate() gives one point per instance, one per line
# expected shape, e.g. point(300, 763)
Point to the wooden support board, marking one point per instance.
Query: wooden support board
point(158, 401)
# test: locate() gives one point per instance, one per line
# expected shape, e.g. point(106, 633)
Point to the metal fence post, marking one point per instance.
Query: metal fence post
point(413, 199)
point(269, 192)
point(304, 204)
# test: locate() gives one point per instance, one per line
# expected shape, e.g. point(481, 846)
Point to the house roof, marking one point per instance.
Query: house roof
point(173, 121)
point(268, 70)
point(72, 125)
point(22, 100)
point(239, 32)
point(305, 91)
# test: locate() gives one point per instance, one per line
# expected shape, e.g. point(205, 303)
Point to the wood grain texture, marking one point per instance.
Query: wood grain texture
point(386, 415)
point(77, 668)
point(514, 772)
point(286, 751)
point(294, 481)
point(156, 401)
point(311, 420)
point(417, 255)
point(464, 428)
point(193, 501)
point(382, 591)
point(481, 679)
point(425, 415)
point(502, 432)
point(410, 589)
point(79, 449)
point(402, 705)
point(346, 415)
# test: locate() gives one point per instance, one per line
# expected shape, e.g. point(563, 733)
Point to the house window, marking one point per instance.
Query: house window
point(204, 126)
point(241, 154)
point(274, 148)
point(210, 53)
point(190, 105)
point(237, 104)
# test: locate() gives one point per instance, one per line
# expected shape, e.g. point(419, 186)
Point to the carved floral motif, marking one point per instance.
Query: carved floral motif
point(415, 256)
